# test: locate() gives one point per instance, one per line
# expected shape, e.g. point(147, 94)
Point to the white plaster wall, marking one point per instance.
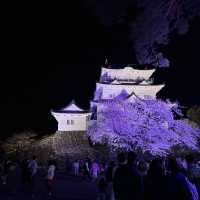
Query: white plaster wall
point(111, 91)
point(79, 121)
point(127, 73)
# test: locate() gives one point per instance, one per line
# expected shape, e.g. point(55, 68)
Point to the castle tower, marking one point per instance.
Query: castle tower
point(114, 83)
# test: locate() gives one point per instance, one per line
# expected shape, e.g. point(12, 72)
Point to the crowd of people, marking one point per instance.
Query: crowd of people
point(130, 178)
point(125, 178)
point(29, 171)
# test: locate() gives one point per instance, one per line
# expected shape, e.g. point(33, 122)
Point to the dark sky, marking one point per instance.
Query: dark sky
point(32, 83)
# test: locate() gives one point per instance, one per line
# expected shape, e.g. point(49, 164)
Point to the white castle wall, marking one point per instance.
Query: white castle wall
point(72, 122)
point(111, 91)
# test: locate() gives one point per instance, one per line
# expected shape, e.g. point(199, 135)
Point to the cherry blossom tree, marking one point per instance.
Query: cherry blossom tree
point(146, 125)
point(154, 24)
point(149, 23)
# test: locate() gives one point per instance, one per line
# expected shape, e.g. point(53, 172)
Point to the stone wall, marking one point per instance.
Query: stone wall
point(72, 145)
point(60, 145)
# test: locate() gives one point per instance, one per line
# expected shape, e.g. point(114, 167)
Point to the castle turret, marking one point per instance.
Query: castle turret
point(71, 118)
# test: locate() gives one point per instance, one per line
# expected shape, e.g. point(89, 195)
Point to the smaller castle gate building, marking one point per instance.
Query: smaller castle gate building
point(71, 118)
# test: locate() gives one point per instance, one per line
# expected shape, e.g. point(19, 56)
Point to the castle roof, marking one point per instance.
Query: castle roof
point(122, 95)
point(70, 108)
point(127, 73)
point(115, 82)
point(112, 90)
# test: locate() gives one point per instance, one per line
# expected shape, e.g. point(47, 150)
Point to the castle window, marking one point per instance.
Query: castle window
point(68, 122)
point(72, 121)
point(88, 118)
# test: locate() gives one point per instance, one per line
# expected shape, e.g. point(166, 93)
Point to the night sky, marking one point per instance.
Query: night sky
point(32, 83)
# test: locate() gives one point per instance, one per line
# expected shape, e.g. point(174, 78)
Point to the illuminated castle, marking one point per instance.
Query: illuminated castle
point(119, 83)
point(113, 83)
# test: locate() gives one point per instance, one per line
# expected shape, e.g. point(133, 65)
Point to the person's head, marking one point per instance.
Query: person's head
point(142, 166)
point(182, 163)
point(190, 159)
point(172, 165)
point(112, 163)
point(34, 157)
point(121, 158)
point(50, 162)
point(102, 173)
point(156, 168)
point(131, 157)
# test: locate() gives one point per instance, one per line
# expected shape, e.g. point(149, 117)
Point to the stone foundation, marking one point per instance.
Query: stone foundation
point(73, 145)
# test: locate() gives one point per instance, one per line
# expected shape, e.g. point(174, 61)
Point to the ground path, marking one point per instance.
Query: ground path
point(65, 188)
